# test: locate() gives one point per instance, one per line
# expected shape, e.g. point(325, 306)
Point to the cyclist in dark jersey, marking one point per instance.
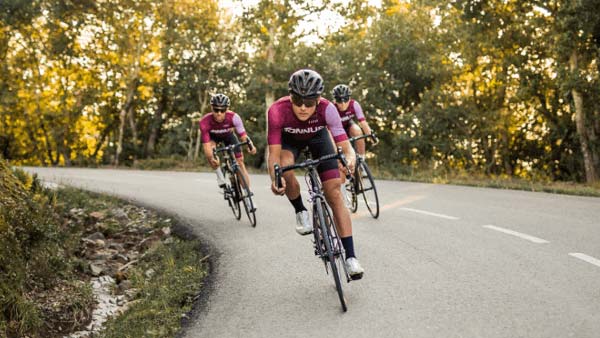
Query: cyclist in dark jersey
point(304, 119)
point(349, 109)
point(217, 126)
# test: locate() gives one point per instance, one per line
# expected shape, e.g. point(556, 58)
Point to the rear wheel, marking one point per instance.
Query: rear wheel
point(246, 197)
point(326, 224)
point(368, 189)
point(233, 198)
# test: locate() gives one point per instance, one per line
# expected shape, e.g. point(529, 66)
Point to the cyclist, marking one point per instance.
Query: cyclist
point(349, 109)
point(299, 120)
point(217, 126)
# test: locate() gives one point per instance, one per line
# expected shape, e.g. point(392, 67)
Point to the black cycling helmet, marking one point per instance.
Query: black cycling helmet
point(341, 92)
point(219, 100)
point(306, 83)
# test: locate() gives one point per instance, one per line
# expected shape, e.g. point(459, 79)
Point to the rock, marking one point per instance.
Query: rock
point(98, 215)
point(116, 246)
point(95, 236)
point(149, 273)
point(124, 286)
point(149, 242)
point(96, 269)
point(166, 231)
point(119, 214)
point(120, 258)
point(99, 243)
point(169, 240)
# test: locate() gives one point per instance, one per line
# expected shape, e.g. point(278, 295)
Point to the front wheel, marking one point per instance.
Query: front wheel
point(233, 196)
point(330, 240)
point(367, 188)
point(246, 197)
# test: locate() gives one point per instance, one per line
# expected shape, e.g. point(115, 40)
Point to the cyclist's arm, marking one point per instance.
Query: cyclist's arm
point(365, 127)
point(274, 157)
point(339, 134)
point(239, 127)
point(360, 116)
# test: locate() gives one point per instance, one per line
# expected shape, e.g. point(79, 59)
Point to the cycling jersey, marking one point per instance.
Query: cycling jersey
point(354, 110)
point(218, 131)
point(222, 131)
point(286, 129)
point(282, 121)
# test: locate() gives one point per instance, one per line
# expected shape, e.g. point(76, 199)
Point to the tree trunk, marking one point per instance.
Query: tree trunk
point(270, 94)
point(203, 103)
point(122, 117)
point(590, 172)
point(132, 125)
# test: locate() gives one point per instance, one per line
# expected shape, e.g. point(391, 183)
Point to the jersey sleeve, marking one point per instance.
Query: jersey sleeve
point(334, 123)
point(238, 125)
point(204, 130)
point(360, 116)
point(274, 125)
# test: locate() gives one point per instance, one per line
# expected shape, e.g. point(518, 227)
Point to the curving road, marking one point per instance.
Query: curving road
point(441, 261)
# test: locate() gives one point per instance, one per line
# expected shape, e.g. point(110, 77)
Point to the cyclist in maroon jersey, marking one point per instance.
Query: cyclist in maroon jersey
point(217, 126)
point(349, 109)
point(304, 119)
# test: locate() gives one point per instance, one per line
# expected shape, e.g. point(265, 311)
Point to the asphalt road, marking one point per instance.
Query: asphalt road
point(441, 260)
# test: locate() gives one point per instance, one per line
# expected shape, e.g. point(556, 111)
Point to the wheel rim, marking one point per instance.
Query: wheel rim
point(369, 190)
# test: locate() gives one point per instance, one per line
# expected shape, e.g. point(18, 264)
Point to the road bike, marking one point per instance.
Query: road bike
point(363, 183)
point(327, 244)
point(236, 188)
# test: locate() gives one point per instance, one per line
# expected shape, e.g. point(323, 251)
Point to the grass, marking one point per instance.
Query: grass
point(164, 296)
point(44, 286)
point(476, 179)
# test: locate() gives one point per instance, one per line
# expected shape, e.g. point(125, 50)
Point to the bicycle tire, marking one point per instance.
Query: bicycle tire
point(246, 197)
point(352, 192)
point(234, 201)
point(327, 238)
point(369, 193)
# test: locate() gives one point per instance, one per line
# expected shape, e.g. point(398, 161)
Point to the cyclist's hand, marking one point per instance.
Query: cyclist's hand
point(253, 150)
point(214, 161)
point(279, 191)
point(351, 163)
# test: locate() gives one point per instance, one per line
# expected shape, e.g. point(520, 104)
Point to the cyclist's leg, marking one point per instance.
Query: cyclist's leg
point(353, 131)
point(239, 157)
point(329, 173)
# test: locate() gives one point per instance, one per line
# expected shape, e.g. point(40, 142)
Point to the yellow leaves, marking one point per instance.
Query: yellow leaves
point(145, 92)
point(400, 7)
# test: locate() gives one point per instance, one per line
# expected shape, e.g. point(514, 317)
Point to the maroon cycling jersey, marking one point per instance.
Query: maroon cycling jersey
point(281, 120)
point(220, 130)
point(354, 110)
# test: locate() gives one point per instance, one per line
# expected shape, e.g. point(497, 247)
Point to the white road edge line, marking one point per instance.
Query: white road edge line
point(586, 258)
point(430, 213)
point(518, 234)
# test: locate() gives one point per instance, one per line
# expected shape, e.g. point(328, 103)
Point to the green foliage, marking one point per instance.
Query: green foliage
point(33, 254)
point(164, 296)
point(461, 84)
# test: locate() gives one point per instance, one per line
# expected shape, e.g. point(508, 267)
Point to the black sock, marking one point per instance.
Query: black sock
point(298, 205)
point(348, 246)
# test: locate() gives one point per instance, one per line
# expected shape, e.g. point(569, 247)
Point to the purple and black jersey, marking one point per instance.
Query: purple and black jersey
point(354, 110)
point(219, 131)
point(282, 121)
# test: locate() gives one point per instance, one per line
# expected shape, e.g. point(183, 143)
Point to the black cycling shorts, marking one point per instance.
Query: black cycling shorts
point(228, 139)
point(319, 145)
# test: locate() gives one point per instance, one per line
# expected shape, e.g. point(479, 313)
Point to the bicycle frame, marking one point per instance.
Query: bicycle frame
point(327, 242)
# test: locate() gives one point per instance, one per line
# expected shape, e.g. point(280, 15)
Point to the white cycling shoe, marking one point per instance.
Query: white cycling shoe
point(303, 223)
point(354, 269)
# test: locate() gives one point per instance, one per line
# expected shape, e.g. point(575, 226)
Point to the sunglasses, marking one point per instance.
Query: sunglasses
point(219, 110)
point(299, 101)
point(342, 99)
